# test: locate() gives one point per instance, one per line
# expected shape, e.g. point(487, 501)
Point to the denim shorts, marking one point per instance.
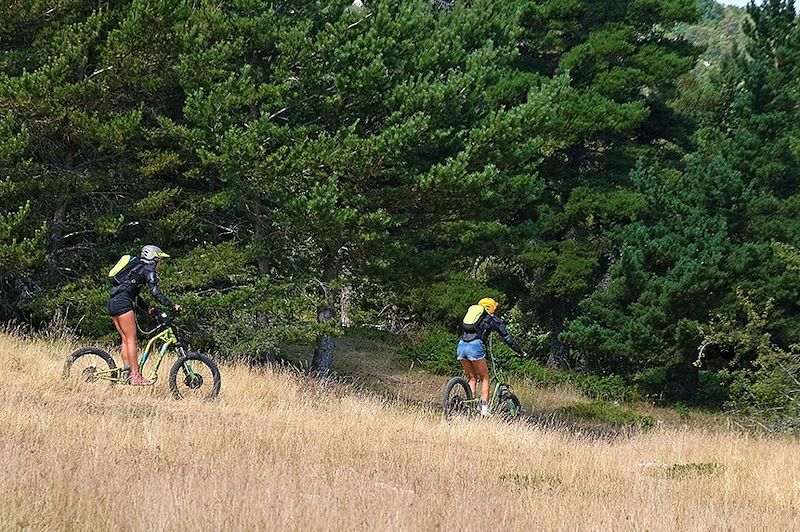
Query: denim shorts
point(470, 350)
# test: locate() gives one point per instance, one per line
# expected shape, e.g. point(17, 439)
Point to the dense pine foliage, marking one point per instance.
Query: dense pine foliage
point(621, 174)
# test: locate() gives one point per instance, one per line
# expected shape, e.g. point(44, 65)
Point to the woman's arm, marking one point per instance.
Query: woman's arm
point(500, 327)
point(152, 280)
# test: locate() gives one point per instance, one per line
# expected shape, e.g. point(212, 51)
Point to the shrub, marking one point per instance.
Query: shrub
point(446, 302)
point(435, 349)
point(605, 412)
point(713, 388)
point(697, 469)
point(606, 388)
point(652, 381)
point(764, 378)
point(767, 397)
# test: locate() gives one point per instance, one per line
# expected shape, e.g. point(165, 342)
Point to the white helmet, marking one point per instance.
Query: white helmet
point(152, 252)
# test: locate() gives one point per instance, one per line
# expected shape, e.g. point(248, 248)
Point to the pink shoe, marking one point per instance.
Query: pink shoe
point(138, 380)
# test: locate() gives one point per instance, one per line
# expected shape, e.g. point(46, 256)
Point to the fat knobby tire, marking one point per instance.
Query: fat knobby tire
point(504, 413)
point(83, 351)
point(453, 383)
point(200, 357)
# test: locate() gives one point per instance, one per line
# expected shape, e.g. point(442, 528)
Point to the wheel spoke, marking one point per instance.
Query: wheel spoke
point(89, 365)
point(194, 375)
point(457, 397)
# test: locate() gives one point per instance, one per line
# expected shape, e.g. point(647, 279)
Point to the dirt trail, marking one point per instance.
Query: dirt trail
point(375, 366)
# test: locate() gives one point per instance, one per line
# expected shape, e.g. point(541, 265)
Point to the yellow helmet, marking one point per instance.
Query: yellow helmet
point(489, 304)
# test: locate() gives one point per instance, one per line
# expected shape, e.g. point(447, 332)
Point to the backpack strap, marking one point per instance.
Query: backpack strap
point(123, 275)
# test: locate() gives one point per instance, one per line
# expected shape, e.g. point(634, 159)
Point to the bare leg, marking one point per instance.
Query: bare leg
point(482, 371)
point(126, 325)
point(124, 346)
point(471, 375)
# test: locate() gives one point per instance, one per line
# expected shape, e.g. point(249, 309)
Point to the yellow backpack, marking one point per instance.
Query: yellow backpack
point(119, 273)
point(472, 318)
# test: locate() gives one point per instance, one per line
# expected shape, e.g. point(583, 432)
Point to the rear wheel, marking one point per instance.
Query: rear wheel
point(455, 397)
point(90, 364)
point(194, 375)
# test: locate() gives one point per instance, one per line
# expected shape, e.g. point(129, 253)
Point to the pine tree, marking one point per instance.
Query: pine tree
point(712, 230)
point(615, 67)
point(76, 84)
point(676, 265)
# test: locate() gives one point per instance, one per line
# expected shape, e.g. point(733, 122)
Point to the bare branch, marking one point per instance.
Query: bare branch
point(226, 230)
point(789, 373)
point(359, 21)
point(98, 72)
point(278, 113)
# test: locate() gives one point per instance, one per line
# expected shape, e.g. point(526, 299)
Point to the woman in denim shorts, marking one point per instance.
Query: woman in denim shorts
point(471, 351)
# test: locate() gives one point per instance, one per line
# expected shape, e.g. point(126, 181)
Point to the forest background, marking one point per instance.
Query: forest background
point(621, 175)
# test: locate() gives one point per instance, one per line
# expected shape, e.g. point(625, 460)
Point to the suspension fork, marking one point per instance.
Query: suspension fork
point(495, 397)
point(186, 367)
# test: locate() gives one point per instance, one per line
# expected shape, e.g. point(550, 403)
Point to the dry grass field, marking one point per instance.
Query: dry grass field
point(279, 452)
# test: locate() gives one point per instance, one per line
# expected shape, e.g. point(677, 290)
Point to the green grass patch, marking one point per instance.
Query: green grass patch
point(608, 413)
point(529, 481)
point(372, 333)
point(435, 350)
point(683, 411)
point(600, 388)
point(697, 469)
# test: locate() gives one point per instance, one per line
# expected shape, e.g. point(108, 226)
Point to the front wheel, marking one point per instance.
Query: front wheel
point(508, 407)
point(456, 396)
point(90, 364)
point(194, 375)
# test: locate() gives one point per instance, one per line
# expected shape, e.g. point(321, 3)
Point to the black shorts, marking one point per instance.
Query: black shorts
point(119, 305)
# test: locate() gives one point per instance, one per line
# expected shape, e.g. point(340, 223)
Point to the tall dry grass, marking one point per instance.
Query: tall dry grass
point(276, 452)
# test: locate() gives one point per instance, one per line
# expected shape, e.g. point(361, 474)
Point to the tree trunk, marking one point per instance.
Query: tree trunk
point(60, 214)
point(345, 301)
point(325, 348)
point(682, 381)
point(254, 209)
point(57, 230)
point(254, 212)
point(393, 322)
point(559, 352)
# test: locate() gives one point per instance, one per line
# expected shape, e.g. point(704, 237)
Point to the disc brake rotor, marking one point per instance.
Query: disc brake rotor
point(193, 381)
point(89, 374)
point(456, 403)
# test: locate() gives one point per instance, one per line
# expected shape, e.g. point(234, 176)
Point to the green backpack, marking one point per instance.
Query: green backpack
point(473, 318)
point(119, 273)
